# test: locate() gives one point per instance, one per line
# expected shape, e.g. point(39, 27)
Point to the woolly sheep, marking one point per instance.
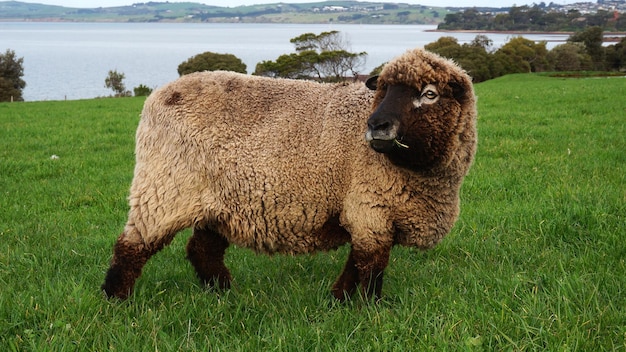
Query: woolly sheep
point(287, 166)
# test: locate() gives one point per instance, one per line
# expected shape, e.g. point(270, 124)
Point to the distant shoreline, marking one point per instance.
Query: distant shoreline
point(608, 36)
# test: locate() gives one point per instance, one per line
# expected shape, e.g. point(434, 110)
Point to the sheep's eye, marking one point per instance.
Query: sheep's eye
point(429, 94)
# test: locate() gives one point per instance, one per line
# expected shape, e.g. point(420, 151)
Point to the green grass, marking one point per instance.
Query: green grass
point(537, 260)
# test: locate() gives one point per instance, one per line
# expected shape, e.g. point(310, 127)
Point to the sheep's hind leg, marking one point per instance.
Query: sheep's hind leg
point(205, 251)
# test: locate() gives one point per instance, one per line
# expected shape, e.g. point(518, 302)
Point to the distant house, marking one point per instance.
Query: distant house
point(334, 8)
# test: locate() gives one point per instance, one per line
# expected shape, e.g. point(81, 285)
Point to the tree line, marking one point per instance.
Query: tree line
point(326, 57)
point(583, 51)
point(536, 18)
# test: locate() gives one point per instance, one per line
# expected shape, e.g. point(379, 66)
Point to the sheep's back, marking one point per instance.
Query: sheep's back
point(268, 159)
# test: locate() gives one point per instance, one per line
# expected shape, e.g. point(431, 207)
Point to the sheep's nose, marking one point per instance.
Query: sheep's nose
point(383, 125)
point(376, 125)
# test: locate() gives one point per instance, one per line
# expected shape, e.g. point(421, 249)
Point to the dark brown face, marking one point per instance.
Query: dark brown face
point(415, 127)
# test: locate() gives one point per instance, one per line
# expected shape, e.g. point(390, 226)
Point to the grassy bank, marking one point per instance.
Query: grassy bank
point(536, 261)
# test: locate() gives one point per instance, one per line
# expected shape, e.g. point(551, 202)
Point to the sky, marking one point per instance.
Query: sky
point(233, 3)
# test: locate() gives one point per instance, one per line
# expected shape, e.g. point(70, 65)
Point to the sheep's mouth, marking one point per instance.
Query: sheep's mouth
point(382, 145)
point(385, 138)
point(386, 145)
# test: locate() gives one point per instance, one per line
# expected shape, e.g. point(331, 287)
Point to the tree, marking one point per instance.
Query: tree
point(11, 73)
point(326, 41)
point(592, 38)
point(335, 66)
point(323, 57)
point(569, 57)
point(521, 55)
point(477, 58)
point(616, 56)
point(285, 66)
point(474, 57)
point(209, 61)
point(115, 81)
point(446, 46)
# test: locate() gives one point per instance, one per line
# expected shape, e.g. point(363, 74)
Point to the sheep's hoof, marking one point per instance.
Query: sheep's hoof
point(114, 285)
point(341, 295)
point(344, 287)
point(219, 282)
point(124, 270)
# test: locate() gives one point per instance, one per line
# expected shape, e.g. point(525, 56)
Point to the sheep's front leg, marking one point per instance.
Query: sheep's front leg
point(205, 251)
point(364, 267)
point(348, 281)
point(371, 267)
point(129, 257)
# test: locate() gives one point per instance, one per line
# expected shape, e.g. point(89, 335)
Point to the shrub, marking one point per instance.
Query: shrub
point(142, 91)
point(209, 61)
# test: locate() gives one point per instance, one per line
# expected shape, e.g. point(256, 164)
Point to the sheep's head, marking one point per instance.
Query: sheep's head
point(423, 111)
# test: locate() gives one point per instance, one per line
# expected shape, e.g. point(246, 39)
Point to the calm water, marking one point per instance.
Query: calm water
point(71, 60)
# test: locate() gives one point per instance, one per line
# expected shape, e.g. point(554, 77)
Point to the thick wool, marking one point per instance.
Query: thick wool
point(282, 166)
point(222, 150)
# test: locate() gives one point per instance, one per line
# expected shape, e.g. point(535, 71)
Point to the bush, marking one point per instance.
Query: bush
point(142, 91)
point(209, 61)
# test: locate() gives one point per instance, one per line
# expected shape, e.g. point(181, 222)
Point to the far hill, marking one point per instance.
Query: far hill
point(314, 12)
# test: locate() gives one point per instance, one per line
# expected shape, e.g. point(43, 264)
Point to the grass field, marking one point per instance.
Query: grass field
point(537, 260)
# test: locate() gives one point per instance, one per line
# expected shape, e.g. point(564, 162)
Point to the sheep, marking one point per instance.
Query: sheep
point(292, 167)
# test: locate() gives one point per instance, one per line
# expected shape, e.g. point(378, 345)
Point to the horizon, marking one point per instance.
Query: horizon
point(236, 3)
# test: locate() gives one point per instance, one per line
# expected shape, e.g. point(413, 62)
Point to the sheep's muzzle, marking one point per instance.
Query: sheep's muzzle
point(382, 145)
point(382, 133)
point(384, 124)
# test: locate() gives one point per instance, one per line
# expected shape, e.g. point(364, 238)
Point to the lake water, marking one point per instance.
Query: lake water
point(71, 60)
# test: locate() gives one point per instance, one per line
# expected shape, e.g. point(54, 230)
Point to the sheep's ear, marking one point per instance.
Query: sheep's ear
point(458, 91)
point(372, 82)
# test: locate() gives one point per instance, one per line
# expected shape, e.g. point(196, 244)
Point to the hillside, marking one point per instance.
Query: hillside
point(314, 12)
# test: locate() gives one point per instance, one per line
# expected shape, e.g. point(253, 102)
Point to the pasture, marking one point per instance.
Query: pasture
point(537, 260)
